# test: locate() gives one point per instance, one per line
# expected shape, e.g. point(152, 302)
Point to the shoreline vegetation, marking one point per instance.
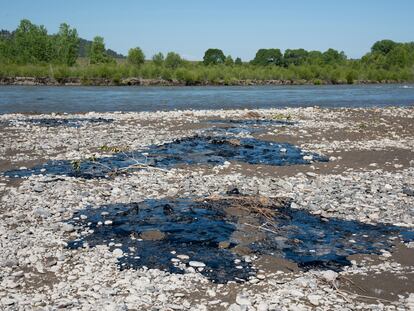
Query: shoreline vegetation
point(31, 56)
point(136, 81)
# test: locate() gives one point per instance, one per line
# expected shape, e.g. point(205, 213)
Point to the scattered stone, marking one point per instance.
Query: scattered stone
point(242, 299)
point(197, 264)
point(329, 275)
point(7, 301)
point(34, 244)
point(314, 299)
point(224, 244)
point(152, 235)
point(117, 252)
point(408, 191)
point(67, 227)
point(261, 276)
point(262, 306)
point(42, 213)
point(38, 188)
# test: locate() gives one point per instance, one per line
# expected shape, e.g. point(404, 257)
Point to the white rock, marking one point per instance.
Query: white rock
point(243, 299)
point(329, 275)
point(262, 306)
point(234, 307)
point(314, 299)
point(211, 292)
point(7, 301)
point(296, 293)
point(197, 264)
point(67, 227)
point(410, 301)
point(117, 252)
point(254, 280)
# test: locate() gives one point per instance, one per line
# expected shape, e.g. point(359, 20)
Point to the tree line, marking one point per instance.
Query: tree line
point(31, 45)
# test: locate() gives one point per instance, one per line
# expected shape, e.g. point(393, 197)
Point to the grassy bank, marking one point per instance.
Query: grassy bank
point(198, 74)
point(30, 51)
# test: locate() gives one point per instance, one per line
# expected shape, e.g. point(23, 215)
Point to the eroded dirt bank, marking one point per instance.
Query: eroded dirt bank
point(277, 209)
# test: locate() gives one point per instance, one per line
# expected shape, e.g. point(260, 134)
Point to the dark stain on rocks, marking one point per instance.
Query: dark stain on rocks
point(208, 230)
point(55, 122)
point(187, 151)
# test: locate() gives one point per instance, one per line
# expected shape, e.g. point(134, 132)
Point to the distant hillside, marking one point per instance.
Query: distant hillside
point(84, 45)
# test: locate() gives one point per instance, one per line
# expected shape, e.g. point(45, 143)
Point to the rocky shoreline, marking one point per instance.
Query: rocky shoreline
point(48, 81)
point(368, 180)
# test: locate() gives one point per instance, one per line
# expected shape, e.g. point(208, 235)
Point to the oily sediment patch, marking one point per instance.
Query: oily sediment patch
point(187, 151)
point(190, 233)
point(219, 235)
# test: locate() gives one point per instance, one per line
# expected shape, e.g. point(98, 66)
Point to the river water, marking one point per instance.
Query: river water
point(45, 99)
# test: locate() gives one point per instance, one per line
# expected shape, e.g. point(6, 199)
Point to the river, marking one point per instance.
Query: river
point(47, 99)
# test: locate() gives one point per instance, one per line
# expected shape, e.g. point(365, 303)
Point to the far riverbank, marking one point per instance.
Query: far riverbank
point(134, 81)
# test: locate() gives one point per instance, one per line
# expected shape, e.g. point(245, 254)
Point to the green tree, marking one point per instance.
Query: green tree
point(295, 57)
point(315, 58)
point(374, 59)
point(214, 57)
point(5, 54)
point(31, 44)
point(398, 57)
point(383, 46)
point(173, 60)
point(97, 52)
point(136, 56)
point(332, 56)
point(351, 76)
point(268, 57)
point(158, 59)
point(229, 61)
point(66, 44)
point(238, 61)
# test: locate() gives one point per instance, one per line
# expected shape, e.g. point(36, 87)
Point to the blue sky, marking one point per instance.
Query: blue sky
point(238, 27)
